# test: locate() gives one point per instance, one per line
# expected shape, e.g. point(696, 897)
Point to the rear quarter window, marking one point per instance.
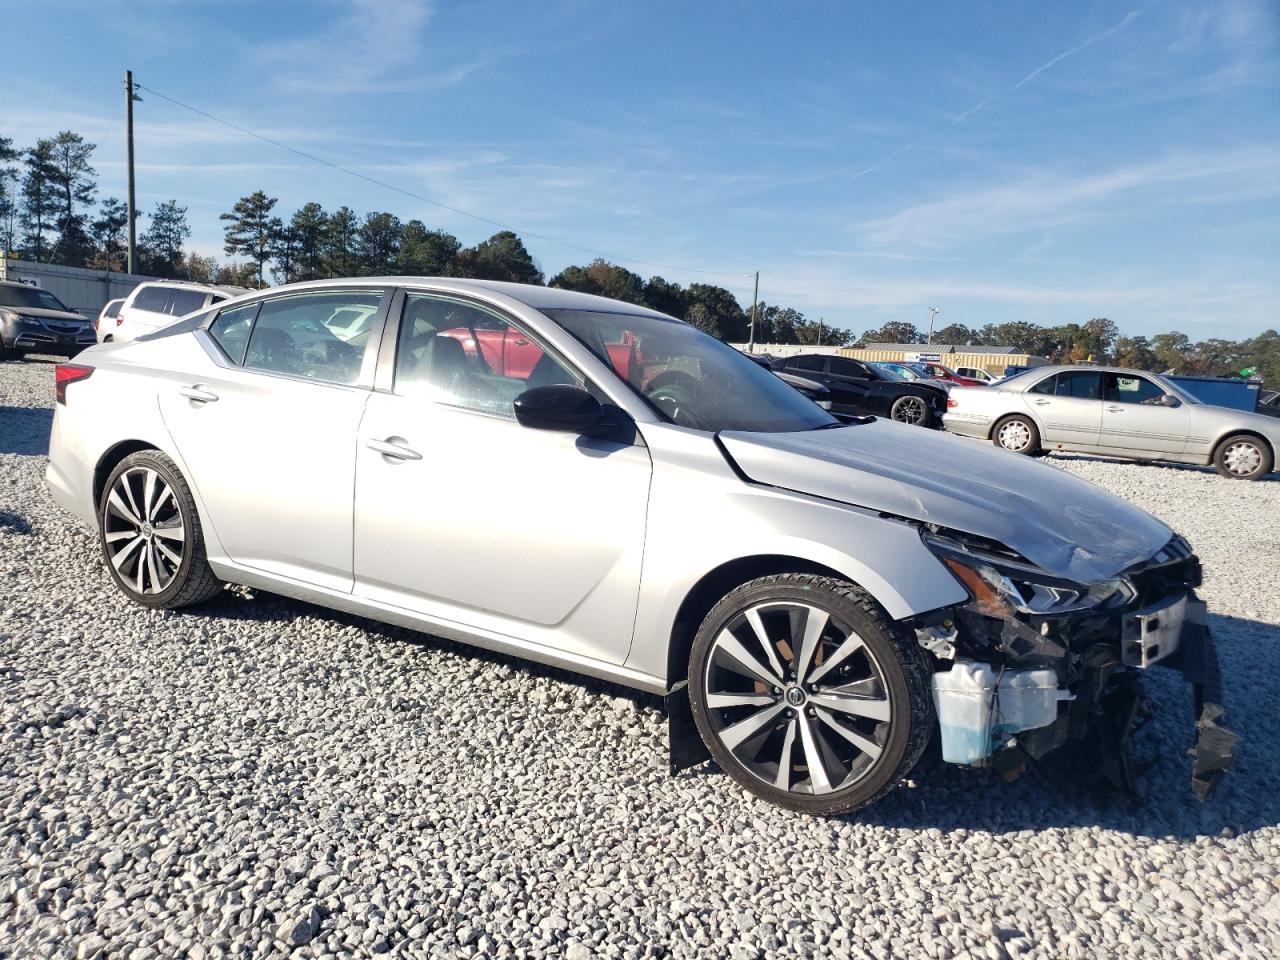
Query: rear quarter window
point(186, 301)
point(151, 299)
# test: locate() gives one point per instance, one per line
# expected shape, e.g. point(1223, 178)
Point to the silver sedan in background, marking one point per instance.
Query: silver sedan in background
point(594, 485)
point(1114, 412)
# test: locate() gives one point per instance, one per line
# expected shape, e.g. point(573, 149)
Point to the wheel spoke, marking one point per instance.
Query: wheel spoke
point(815, 622)
point(142, 569)
point(851, 645)
point(737, 734)
point(818, 777)
point(869, 747)
point(175, 533)
point(783, 779)
point(738, 655)
point(168, 554)
point(854, 706)
point(722, 701)
point(121, 555)
point(149, 495)
point(124, 483)
point(770, 651)
point(120, 535)
point(122, 509)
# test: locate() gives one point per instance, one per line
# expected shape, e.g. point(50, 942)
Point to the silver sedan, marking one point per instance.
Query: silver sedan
point(1115, 412)
point(595, 485)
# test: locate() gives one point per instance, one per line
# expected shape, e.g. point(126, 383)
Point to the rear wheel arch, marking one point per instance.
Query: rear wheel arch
point(714, 586)
point(110, 460)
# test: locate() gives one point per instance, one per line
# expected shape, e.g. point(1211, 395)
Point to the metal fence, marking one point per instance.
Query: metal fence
point(84, 291)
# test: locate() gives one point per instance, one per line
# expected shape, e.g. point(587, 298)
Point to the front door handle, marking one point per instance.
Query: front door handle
point(198, 392)
point(394, 448)
point(522, 342)
point(1114, 409)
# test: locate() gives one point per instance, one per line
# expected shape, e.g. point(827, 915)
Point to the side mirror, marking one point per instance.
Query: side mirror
point(560, 406)
point(1167, 400)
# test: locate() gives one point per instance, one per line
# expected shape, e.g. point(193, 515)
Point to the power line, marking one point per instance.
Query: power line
point(416, 196)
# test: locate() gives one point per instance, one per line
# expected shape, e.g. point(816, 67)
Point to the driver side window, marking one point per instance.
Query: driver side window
point(1130, 389)
point(465, 355)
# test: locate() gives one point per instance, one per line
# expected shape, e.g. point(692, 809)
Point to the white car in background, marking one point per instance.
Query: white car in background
point(158, 303)
point(106, 318)
point(976, 373)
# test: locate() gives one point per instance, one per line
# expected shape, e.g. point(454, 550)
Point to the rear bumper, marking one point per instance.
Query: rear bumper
point(967, 425)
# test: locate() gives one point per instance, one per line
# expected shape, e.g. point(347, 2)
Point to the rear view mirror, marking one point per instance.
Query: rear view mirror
point(561, 406)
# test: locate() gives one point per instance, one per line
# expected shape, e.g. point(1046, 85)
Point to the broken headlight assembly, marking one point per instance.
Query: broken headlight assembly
point(1003, 587)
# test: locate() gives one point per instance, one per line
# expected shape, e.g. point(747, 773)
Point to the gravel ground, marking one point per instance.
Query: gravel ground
point(260, 775)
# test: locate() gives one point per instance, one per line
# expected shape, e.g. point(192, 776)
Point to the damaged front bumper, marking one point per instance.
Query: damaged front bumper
point(1098, 663)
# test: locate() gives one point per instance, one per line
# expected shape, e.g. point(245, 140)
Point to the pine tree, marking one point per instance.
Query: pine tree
point(250, 231)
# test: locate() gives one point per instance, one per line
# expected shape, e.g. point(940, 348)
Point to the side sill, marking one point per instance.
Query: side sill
point(449, 630)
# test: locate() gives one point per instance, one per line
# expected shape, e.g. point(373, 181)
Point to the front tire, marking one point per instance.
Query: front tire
point(808, 695)
point(1017, 434)
point(151, 535)
point(910, 410)
point(1243, 457)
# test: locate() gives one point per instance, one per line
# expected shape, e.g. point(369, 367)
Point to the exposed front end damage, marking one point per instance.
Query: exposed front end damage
point(1034, 662)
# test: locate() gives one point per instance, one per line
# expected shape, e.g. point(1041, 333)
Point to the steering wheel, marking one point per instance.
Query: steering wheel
point(675, 394)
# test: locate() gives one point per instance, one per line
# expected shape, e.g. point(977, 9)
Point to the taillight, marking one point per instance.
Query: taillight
point(951, 402)
point(68, 373)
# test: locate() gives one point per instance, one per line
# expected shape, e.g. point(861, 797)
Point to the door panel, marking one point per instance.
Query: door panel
point(530, 533)
point(1130, 420)
point(1068, 407)
point(274, 462)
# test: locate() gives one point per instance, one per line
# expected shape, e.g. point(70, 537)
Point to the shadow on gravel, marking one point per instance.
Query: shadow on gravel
point(25, 430)
point(1152, 464)
point(1058, 792)
point(14, 521)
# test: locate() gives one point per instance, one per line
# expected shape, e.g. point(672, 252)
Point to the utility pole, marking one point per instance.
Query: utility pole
point(129, 97)
point(820, 331)
point(755, 296)
point(933, 313)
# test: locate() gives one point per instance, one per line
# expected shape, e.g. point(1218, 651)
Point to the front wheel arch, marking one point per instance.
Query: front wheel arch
point(1269, 451)
point(713, 587)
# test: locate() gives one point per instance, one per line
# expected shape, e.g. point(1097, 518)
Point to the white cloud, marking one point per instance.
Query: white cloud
point(374, 46)
point(1047, 199)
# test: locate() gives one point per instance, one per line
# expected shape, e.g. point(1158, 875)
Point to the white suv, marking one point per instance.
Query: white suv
point(158, 303)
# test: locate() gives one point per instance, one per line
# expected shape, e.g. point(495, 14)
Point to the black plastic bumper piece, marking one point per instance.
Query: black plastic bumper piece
point(1197, 658)
point(687, 748)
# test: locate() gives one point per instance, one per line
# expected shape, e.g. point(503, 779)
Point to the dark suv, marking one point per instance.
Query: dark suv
point(34, 320)
point(858, 388)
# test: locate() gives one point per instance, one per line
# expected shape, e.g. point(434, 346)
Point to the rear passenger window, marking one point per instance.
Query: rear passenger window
point(304, 335)
point(814, 364)
point(1081, 384)
point(151, 299)
point(231, 330)
point(185, 301)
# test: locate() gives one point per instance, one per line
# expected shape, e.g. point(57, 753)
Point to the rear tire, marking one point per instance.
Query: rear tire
point(911, 410)
point(808, 695)
point(1016, 434)
point(1243, 457)
point(151, 536)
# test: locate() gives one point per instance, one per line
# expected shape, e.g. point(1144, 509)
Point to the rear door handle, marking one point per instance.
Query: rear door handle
point(394, 448)
point(1115, 409)
point(1040, 403)
point(522, 342)
point(198, 393)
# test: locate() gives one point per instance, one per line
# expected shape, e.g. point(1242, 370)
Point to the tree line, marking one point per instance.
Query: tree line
point(1100, 340)
point(49, 211)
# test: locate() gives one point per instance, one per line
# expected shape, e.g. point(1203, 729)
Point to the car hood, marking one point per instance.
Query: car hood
point(1062, 524)
point(40, 313)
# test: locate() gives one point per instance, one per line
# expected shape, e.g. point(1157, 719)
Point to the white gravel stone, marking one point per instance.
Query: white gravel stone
point(258, 773)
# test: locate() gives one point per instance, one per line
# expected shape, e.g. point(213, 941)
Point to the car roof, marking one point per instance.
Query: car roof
point(1087, 367)
point(538, 297)
point(190, 285)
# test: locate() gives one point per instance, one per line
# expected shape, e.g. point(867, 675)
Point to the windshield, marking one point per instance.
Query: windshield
point(690, 377)
point(886, 373)
point(33, 297)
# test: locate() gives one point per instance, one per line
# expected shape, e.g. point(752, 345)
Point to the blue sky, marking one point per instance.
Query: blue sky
point(1002, 161)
